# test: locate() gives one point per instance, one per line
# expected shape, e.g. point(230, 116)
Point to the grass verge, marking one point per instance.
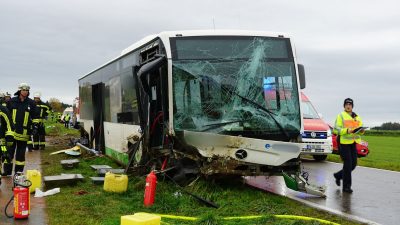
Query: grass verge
point(86, 203)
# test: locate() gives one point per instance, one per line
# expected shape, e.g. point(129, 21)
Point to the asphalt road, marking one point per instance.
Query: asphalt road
point(376, 196)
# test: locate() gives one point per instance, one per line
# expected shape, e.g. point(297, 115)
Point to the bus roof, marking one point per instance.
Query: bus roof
point(165, 35)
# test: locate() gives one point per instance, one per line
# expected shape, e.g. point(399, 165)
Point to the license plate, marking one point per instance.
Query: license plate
point(316, 147)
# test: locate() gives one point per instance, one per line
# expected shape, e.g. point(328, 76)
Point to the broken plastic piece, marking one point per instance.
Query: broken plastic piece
point(39, 193)
point(298, 183)
point(69, 164)
point(76, 148)
point(96, 167)
point(102, 172)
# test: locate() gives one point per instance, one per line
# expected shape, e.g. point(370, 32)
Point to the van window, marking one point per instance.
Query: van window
point(309, 111)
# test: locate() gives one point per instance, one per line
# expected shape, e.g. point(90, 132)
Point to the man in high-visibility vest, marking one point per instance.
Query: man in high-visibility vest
point(67, 118)
point(348, 126)
point(24, 115)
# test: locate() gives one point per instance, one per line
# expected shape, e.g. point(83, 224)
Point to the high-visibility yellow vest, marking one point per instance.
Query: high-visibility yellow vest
point(343, 122)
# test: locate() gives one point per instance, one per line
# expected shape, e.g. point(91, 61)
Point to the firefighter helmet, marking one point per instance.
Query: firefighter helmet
point(24, 86)
point(7, 94)
point(37, 95)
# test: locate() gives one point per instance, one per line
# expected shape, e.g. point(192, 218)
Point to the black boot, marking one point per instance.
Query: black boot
point(7, 169)
point(348, 190)
point(337, 179)
point(19, 168)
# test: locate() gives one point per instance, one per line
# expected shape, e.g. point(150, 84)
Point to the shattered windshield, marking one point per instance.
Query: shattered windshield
point(308, 111)
point(235, 85)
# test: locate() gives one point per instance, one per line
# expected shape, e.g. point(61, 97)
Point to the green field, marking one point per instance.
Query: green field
point(384, 153)
point(87, 203)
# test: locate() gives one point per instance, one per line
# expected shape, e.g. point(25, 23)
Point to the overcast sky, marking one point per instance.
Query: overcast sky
point(349, 48)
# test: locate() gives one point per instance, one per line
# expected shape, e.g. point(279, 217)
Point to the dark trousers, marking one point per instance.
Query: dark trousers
point(39, 140)
point(348, 153)
point(19, 148)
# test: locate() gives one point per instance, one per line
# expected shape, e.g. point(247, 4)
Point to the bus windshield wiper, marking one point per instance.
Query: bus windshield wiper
point(271, 114)
point(216, 125)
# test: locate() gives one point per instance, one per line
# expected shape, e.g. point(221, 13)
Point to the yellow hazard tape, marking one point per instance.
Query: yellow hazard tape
point(251, 217)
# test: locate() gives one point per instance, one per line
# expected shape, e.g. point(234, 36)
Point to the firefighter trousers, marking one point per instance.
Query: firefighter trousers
point(18, 148)
point(348, 153)
point(39, 140)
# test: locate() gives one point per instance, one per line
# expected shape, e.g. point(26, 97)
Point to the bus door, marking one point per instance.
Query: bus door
point(153, 76)
point(98, 117)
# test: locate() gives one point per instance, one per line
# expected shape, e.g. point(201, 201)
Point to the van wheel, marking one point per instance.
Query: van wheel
point(320, 157)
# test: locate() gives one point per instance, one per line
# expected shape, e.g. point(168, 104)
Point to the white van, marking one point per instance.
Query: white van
point(317, 136)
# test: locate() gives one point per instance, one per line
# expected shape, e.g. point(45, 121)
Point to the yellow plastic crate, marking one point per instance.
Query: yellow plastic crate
point(115, 182)
point(36, 178)
point(141, 219)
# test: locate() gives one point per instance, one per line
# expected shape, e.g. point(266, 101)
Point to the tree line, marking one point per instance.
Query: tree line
point(56, 105)
point(388, 126)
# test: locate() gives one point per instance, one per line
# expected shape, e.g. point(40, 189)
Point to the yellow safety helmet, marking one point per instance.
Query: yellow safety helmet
point(24, 86)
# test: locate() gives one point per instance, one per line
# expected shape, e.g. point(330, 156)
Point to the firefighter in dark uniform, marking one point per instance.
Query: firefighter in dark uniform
point(24, 115)
point(6, 136)
point(39, 140)
point(6, 98)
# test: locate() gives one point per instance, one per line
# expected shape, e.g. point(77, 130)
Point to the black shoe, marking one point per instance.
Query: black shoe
point(337, 180)
point(348, 190)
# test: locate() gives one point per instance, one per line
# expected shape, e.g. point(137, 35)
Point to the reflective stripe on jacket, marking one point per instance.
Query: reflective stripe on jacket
point(44, 110)
point(343, 122)
point(6, 124)
point(23, 113)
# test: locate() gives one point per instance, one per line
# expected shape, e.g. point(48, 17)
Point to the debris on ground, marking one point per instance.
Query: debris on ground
point(39, 193)
point(102, 172)
point(69, 163)
point(97, 180)
point(81, 192)
point(63, 179)
point(76, 148)
point(96, 167)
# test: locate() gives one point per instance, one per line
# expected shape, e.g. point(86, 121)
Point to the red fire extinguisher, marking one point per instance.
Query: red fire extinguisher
point(21, 202)
point(21, 197)
point(150, 189)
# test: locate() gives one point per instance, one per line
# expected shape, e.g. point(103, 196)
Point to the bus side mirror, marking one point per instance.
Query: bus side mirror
point(302, 76)
point(148, 69)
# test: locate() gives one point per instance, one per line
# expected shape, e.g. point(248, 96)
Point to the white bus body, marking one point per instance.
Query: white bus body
point(205, 102)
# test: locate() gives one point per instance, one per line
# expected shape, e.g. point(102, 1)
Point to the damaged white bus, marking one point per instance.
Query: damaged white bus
point(200, 103)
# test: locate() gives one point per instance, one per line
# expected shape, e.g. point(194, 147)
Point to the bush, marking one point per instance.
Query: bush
point(390, 133)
